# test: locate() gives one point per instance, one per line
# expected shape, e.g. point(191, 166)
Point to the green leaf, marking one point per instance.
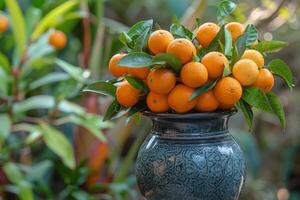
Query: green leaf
point(270, 46)
point(126, 39)
point(137, 83)
point(40, 47)
point(4, 63)
point(281, 69)
point(112, 110)
point(18, 25)
point(140, 27)
point(202, 89)
point(70, 107)
point(101, 87)
point(242, 42)
point(59, 144)
point(277, 108)
point(171, 60)
point(179, 31)
point(141, 42)
point(5, 127)
point(74, 71)
point(136, 60)
point(50, 19)
point(225, 8)
point(224, 38)
point(48, 79)
point(247, 111)
point(256, 98)
point(35, 102)
point(13, 172)
point(226, 71)
point(137, 108)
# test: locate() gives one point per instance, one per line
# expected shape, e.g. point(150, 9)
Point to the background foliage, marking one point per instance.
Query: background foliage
point(53, 144)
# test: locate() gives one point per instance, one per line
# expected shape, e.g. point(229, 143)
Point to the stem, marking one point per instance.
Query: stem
point(86, 34)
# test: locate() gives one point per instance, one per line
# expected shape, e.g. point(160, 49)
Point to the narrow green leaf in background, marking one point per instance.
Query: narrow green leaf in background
point(48, 79)
point(5, 127)
point(137, 83)
point(35, 102)
point(74, 71)
point(50, 19)
point(270, 46)
point(277, 108)
point(101, 87)
point(280, 68)
point(18, 25)
point(59, 144)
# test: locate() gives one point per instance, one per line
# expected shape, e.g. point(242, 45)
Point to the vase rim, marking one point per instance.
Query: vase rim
point(192, 115)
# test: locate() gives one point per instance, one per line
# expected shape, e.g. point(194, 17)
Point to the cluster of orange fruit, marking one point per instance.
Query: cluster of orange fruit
point(171, 92)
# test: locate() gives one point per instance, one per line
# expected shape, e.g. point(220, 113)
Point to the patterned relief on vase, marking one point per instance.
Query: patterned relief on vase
point(171, 170)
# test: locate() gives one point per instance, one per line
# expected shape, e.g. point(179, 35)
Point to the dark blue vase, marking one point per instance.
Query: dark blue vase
point(190, 156)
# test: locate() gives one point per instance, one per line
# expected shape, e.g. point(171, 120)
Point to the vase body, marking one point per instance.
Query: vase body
point(190, 156)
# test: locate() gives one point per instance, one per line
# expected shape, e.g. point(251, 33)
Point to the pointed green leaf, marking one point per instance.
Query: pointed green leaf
point(113, 109)
point(247, 111)
point(202, 89)
point(101, 87)
point(277, 108)
point(141, 42)
point(136, 60)
point(59, 144)
point(256, 98)
point(74, 71)
point(140, 27)
point(270, 46)
point(171, 60)
point(280, 68)
point(141, 106)
point(225, 8)
point(34, 102)
point(48, 79)
point(179, 31)
point(137, 83)
point(18, 25)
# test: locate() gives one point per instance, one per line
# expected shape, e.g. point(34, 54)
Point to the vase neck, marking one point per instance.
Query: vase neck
point(190, 128)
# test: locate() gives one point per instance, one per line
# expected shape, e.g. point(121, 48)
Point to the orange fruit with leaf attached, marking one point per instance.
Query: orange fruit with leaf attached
point(57, 39)
point(245, 71)
point(179, 99)
point(127, 95)
point(256, 56)
point(117, 71)
point(206, 33)
point(228, 91)
point(161, 81)
point(3, 24)
point(207, 102)
point(159, 40)
point(214, 62)
point(141, 72)
point(265, 80)
point(194, 74)
point(183, 49)
point(236, 29)
point(157, 102)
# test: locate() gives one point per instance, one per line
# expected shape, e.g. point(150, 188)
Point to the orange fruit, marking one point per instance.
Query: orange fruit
point(225, 106)
point(206, 33)
point(57, 39)
point(193, 74)
point(228, 91)
point(214, 62)
point(115, 70)
point(3, 24)
point(157, 102)
point(245, 71)
point(127, 95)
point(178, 99)
point(256, 56)
point(183, 49)
point(159, 41)
point(161, 81)
point(140, 73)
point(207, 102)
point(236, 29)
point(265, 80)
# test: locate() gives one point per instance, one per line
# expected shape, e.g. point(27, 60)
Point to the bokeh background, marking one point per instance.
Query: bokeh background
point(31, 168)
